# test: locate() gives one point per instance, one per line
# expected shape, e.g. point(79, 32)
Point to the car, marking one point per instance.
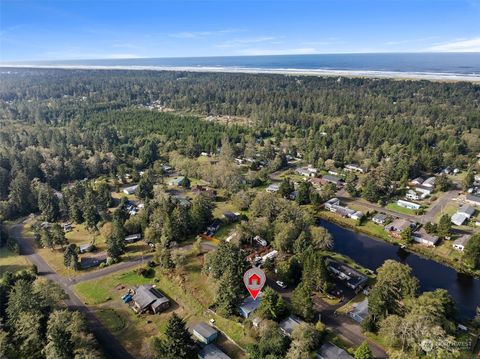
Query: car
point(281, 284)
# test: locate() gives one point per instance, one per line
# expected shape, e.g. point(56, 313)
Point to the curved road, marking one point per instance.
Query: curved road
point(109, 344)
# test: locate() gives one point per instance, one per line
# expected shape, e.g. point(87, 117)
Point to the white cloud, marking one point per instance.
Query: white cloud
point(460, 45)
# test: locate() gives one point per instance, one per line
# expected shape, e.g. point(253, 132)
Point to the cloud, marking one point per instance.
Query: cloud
point(460, 45)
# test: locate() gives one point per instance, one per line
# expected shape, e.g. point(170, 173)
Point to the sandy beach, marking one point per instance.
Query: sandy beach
point(279, 71)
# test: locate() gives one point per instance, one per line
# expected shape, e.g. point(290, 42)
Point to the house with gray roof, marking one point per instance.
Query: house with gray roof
point(288, 324)
point(148, 298)
point(249, 305)
point(460, 243)
point(473, 199)
point(211, 351)
point(330, 351)
point(380, 218)
point(359, 311)
point(205, 333)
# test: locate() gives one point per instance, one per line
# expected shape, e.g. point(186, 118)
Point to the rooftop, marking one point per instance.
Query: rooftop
point(205, 330)
point(211, 351)
point(330, 351)
point(288, 324)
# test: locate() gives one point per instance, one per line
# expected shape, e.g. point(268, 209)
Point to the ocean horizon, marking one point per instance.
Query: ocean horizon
point(441, 66)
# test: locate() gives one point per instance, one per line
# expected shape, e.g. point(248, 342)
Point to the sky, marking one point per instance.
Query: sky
point(84, 29)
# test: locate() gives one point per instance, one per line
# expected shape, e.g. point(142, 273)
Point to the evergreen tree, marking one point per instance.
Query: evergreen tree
point(177, 344)
point(70, 257)
point(302, 303)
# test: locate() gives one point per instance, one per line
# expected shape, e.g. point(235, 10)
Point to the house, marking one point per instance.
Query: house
point(211, 351)
point(332, 202)
point(357, 215)
point(182, 201)
point(270, 255)
point(359, 311)
point(424, 238)
point(213, 227)
point(337, 181)
point(409, 205)
point(84, 248)
point(460, 243)
point(356, 168)
point(397, 226)
point(147, 298)
point(130, 190)
point(330, 351)
point(230, 216)
point(411, 194)
point(473, 199)
point(466, 210)
point(417, 181)
point(288, 324)
point(306, 171)
point(133, 238)
point(353, 279)
point(177, 181)
point(249, 305)
point(272, 188)
point(429, 182)
point(458, 219)
point(380, 218)
point(424, 190)
point(260, 241)
point(205, 333)
point(166, 168)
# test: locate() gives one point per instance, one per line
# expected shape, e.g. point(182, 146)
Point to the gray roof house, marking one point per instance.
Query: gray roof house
point(424, 238)
point(205, 333)
point(249, 305)
point(147, 297)
point(466, 210)
point(379, 218)
point(288, 324)
point(130, 190)
point(473, 199)
point(459, 218)
point(460, 243)
point(211, 351)
point(359, 311)
point(330, 351)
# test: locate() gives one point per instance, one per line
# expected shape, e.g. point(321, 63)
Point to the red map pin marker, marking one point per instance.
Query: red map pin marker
point(254, 280)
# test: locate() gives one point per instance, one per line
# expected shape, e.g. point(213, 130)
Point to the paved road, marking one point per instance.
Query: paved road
point(341, 325)
point(110, 345)
point(439, 205)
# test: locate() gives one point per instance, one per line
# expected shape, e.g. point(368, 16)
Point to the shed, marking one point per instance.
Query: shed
point(211, 351)
point(330, 351)
point(460, 243)
point(130, 190)
point(133, 238)
point(205, 333)
point(288, 324)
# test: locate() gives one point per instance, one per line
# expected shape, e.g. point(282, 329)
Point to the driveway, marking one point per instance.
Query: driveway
point(110, 345)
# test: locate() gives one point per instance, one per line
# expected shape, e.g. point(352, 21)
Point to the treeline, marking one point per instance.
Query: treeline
point(34, 325)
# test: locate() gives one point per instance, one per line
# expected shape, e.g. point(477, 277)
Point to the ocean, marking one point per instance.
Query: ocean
point(463, 66)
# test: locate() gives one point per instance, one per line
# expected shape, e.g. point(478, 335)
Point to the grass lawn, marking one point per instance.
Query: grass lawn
point(11, 262)
point(450, 208)
point(79, 235)
point(190, 291)
point(396, 208)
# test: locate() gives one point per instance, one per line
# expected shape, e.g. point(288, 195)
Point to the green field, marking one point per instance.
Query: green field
point(396, 208)
point(11, 262)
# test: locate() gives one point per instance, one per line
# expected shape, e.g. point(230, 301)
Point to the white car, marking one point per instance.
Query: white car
point(281, 284)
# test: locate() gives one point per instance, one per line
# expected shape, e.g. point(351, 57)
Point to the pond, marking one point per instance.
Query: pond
point(371, 253)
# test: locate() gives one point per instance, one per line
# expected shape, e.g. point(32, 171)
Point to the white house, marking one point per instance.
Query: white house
point(356, 168)
point(411, 194)
point(425, 190)
point(424, 238)
point(273, 188)
point(460, 243)
point(429, 182)
point(130, 190)
point(417, 181)
point(409, 205)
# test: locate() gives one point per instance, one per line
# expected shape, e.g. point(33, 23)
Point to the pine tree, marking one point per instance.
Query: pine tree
point(70, 257)
point(177, 344)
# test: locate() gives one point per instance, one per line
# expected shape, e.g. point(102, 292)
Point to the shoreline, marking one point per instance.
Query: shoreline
point(395, 75)
point(411, 249)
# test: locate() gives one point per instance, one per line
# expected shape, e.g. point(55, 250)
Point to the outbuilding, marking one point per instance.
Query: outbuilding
point(205, 333)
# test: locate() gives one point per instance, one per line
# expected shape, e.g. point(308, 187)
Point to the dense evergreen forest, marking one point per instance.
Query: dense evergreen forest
point(62, 125)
